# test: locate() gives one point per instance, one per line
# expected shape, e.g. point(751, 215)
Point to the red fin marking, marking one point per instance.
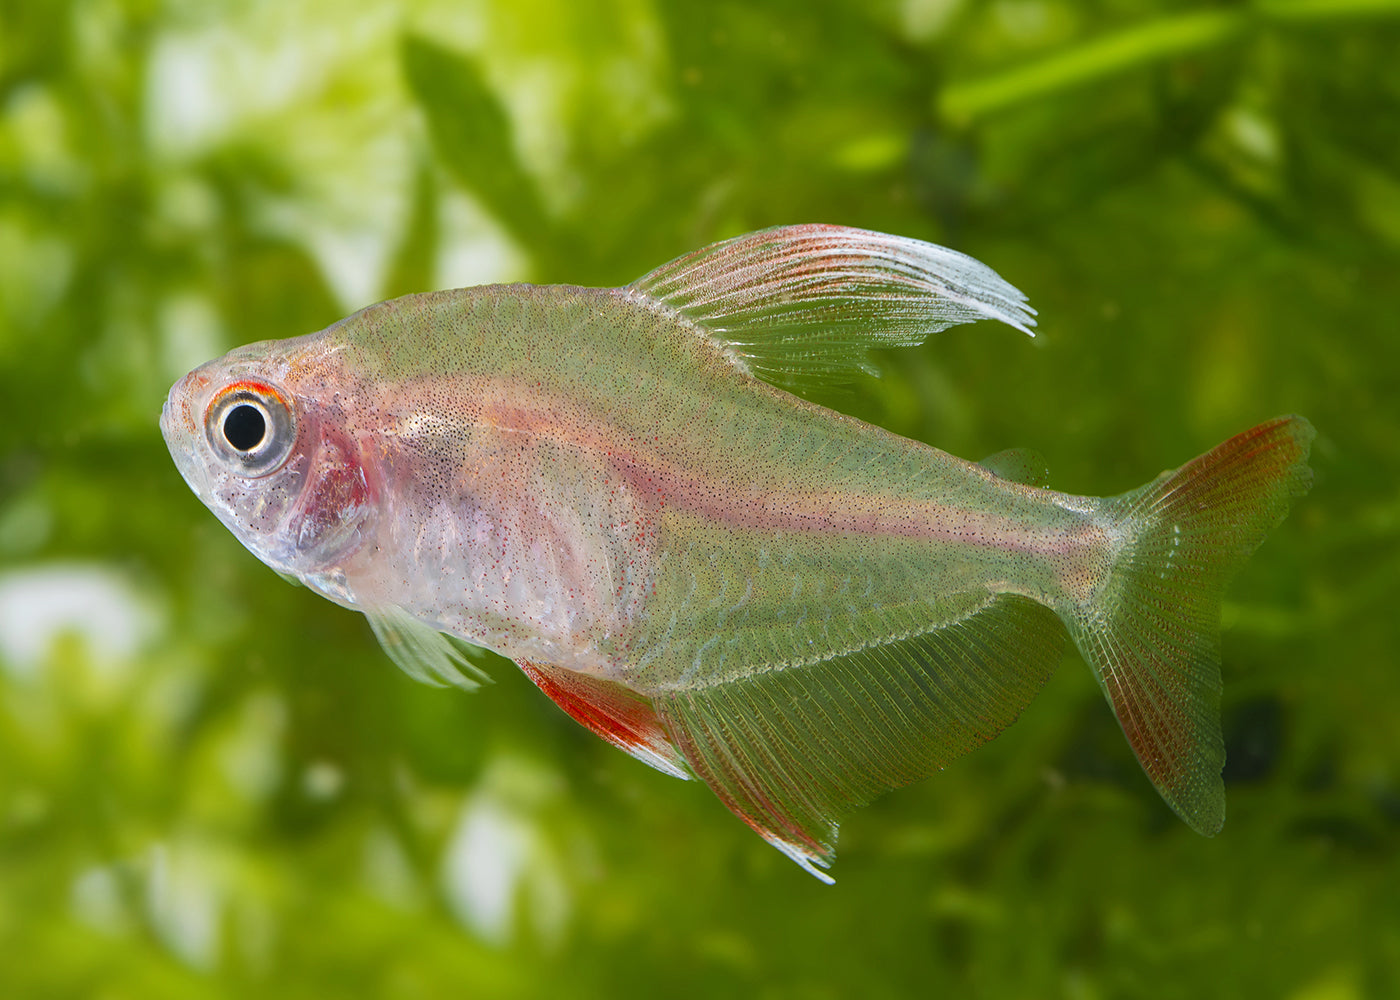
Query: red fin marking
point(616, 713)
point(744, 795)
point(1152, 629)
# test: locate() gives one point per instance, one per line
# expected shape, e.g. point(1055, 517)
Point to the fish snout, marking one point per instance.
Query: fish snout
point(181, 430)
point(166, 424)
point(177, 414)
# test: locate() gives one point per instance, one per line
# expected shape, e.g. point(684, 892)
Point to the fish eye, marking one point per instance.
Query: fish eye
point(250, 427)
point(245, 426)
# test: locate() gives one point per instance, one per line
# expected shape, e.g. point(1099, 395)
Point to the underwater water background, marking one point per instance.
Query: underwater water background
point(213, 783)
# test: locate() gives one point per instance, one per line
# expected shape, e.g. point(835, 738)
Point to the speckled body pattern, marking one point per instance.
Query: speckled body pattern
point(593, 484)
point(572, 489)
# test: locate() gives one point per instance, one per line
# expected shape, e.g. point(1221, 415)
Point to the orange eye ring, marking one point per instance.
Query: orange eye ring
point(250, 427)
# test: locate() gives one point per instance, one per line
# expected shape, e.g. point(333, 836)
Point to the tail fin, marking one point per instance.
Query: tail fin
point(1152, 634)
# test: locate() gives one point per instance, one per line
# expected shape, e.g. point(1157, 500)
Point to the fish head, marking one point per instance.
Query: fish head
point(263, 436)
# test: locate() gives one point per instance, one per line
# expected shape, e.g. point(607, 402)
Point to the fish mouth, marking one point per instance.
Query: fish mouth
point(165, 420)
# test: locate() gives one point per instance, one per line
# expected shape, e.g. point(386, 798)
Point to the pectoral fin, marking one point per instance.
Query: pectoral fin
point(421, 651)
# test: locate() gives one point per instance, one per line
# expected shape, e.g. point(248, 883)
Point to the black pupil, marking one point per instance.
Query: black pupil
point(244, 427)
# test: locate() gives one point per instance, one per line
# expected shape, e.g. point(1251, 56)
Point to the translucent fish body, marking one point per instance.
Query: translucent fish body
point(611, 488)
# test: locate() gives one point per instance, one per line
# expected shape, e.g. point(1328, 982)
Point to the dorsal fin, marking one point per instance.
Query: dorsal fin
point(803, 304)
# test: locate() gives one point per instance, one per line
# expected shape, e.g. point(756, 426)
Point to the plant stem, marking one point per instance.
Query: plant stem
point(1140, 45)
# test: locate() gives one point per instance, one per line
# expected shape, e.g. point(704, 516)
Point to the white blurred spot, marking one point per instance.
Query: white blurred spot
point(25, 525)
point(170, 698)
point(536, 98)
point(184, 107)
point(1253, 133)
point(1023, 20)
point(35, 269)
point(1377, 197)
point(185, 902)
point(924, 20)
point(322, 780)
point(485, 865)
point(353, 259)
point(185, 204)
point(96, 899)
point(471, 249)
point(562, 82)
point(205, 83)
point(1336, 983)
point(97, 604)
point(314, 95)
point(250, 757)
point(388, 871)
point(190, 333)
point(501, 867)
point(37, 125)
point(208, 902)
point(27, 807)
point(868, 153)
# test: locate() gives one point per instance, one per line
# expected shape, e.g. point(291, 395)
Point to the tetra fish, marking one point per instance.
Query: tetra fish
point(613, 488)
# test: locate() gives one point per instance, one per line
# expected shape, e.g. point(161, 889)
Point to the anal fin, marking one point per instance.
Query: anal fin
point(613, 711)
point(791, 750)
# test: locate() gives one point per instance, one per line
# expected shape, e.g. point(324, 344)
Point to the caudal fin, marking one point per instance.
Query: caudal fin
point(1152, 634)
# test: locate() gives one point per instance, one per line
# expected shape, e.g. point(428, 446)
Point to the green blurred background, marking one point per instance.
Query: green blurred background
point(213, 784)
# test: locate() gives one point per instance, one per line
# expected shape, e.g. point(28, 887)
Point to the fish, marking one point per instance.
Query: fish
point(621, 490)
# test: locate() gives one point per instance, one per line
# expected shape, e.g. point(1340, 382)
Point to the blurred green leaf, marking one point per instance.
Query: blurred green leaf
point(472, 134)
